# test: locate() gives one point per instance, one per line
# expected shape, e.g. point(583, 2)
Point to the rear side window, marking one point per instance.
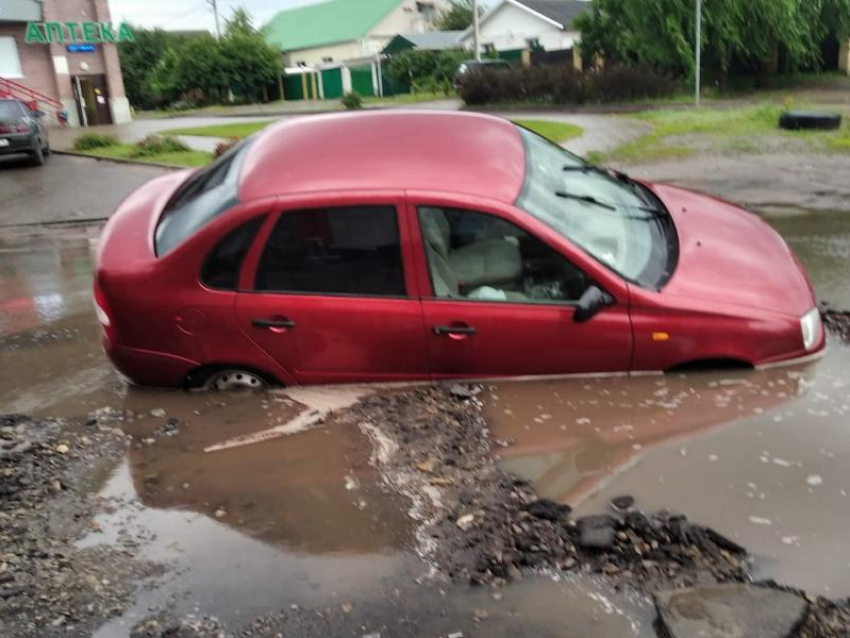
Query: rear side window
point(204, 196)
point(343, 251)
point(221, 269)
point(11, 109)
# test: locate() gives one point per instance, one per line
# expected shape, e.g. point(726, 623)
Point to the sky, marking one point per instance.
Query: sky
point(195, 14)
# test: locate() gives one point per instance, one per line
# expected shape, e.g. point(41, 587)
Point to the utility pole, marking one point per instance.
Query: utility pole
point(699, 49)
point(476, 35)
point(214, 5)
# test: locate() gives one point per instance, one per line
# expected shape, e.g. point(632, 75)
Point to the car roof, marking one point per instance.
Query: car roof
point(461, 153)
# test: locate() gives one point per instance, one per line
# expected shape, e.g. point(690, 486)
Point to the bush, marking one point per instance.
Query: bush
point(352, 101)
point(90, 141)
point(222, 147)
point(564, 85)
point(157, 145)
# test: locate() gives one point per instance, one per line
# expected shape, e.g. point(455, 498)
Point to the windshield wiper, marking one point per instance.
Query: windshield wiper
point(588, 199)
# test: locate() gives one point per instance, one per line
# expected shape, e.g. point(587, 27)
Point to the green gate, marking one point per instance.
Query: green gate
point(361, 81)
point(332, 83)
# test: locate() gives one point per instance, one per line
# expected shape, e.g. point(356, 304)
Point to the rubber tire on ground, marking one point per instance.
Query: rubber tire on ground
point(46, 150)
point(809, 120)
point(38, 156)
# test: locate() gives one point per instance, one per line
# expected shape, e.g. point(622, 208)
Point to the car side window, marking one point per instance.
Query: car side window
point(221, 269)
point(351, 250)
point(482, 257)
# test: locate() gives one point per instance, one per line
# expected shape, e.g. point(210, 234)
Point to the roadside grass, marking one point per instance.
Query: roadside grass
point(282, 107)
point(236, 130)
point(190, 159)
point(746, 129)
point(555, 131)
point(409, 98)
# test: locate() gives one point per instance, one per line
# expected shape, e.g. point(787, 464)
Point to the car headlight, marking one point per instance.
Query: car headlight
point(810, 327)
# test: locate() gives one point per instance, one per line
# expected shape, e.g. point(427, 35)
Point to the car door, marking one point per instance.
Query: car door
point(326, 291)
point(500, 300)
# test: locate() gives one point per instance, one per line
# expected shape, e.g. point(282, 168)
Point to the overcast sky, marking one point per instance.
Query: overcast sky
point(195, 14)
point(192, 14)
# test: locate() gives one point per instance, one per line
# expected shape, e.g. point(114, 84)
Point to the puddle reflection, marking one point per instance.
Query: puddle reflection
point(568, 436)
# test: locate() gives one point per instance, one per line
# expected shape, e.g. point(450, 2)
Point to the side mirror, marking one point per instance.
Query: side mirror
point(592, 301)
point(38, 114)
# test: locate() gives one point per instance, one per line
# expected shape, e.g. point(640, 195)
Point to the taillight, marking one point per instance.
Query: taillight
point(5, 129)
point(22, 128)
point(104, 315)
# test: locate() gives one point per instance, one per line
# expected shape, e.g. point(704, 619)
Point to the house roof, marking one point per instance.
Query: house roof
point(331, 22)
point(430, 41)
point(561, 11)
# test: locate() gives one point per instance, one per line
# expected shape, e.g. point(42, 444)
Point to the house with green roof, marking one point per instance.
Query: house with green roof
point(342, 30)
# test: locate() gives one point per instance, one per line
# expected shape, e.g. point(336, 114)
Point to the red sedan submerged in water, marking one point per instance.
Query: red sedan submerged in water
point(401, 245)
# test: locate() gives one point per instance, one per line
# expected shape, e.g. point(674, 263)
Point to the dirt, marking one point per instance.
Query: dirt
point(484, 525)
point(48, 586)
point(837, 322)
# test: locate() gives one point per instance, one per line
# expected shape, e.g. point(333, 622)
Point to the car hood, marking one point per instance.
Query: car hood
point(730, 255)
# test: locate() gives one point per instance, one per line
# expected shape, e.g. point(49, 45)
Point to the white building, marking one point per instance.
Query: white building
point(513, 25)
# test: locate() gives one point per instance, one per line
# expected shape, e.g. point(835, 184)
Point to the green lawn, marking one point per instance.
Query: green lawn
point(743, 129)
point(556, 131)
point(237, 130)
point(123, 151)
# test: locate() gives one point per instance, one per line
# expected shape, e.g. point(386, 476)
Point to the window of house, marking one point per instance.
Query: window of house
point(482, 257)
point(327, 59)
point(221, 269)
point(339, 251)
point(10, 62)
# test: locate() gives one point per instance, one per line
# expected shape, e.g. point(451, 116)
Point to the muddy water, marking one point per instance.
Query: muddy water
point(760, 455)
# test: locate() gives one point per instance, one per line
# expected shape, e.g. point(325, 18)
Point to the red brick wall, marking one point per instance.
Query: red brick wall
point(35, 59)
point(37, 62)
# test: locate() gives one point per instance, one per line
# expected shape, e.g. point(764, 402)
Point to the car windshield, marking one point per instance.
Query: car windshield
point(202, 198)
point(616, 221)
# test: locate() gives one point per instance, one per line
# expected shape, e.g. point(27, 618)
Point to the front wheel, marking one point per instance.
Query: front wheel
point(38, 156)
point(230, 380)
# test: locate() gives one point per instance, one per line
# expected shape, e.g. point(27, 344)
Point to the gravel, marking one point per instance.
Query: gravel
point(48, 585)
point(482, 525)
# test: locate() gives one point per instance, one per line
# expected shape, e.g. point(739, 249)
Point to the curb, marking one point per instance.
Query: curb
point(119, 160)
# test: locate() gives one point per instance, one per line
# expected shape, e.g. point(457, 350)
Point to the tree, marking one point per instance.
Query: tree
point(458, 17)
point(251, 63)
point(139, 58)
point(162, 67)
point(738, 35)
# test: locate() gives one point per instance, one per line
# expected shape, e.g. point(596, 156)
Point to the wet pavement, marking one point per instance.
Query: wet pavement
point(304, 520)
point(65, 189)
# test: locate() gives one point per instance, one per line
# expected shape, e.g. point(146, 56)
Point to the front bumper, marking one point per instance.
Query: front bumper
point(17, 144)
point(148, 367)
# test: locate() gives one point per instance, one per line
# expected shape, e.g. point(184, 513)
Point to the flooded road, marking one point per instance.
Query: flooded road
point(762, 456)
point(304, 520)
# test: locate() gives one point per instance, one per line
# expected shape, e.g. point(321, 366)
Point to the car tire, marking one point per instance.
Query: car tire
point(46, 149)
point(38, 156)
point(234, 379)
point(809, 120)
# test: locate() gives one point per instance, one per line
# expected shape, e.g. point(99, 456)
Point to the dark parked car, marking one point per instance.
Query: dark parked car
point(22, 130)
point(468, 66)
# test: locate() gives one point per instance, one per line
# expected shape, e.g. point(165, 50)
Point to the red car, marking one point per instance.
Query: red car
point(415, 245)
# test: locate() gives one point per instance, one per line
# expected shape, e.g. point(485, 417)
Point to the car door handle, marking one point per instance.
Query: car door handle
point(444, 331)
point(273, 323)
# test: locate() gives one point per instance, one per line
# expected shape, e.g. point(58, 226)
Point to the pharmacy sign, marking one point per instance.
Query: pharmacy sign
point(69, 32)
